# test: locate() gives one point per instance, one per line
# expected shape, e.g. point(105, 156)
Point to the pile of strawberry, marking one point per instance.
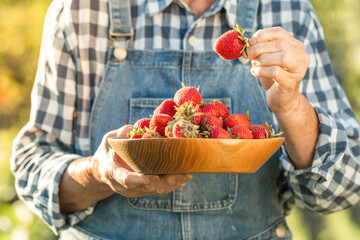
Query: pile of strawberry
point(187, 117)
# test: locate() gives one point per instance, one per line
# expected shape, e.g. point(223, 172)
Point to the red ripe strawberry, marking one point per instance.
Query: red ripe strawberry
point(210, 122)
point(187, 94)
point(263, 131)
point(199, 136)
point(159, 122)
point(235, 119)
point(232, 44)
point(166, 107)
point(168, 132)
point(169, 128)
point(137, 136)
point(224, 112)
point(185, 129)
point(240, 132)
point(210, 109)
point(142, 123)
point(260, 131)
point(218, 132)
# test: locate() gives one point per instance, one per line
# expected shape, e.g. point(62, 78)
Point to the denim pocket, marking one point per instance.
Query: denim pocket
point(204, 192)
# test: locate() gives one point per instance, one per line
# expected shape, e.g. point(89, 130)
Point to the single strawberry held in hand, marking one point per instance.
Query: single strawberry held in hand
point(232, 44)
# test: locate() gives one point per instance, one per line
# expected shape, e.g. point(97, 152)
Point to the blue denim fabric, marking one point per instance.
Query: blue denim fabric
point(211, 206)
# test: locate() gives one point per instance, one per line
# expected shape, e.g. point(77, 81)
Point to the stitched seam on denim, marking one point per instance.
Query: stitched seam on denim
point(165, 206)
point(93, 116)
point(273, 225)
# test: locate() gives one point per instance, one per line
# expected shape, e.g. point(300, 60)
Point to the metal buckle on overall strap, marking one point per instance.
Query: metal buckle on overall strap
point(121, 41)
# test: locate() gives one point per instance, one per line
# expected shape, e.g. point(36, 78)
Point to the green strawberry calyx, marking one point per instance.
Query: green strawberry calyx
point(244, 39)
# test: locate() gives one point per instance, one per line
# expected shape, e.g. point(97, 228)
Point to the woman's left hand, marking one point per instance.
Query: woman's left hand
point(280, 62)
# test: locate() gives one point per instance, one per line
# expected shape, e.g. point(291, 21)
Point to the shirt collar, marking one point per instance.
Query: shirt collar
point(153, 7)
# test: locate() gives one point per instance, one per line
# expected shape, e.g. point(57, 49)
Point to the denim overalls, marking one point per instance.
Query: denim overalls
point(211, 206)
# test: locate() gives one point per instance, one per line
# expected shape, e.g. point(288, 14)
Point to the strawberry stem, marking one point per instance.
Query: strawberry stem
point(244, 39)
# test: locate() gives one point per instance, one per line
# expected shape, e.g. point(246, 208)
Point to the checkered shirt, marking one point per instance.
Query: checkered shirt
point(71, 66)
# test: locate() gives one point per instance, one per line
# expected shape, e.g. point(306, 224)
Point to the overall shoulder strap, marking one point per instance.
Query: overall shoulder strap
point(120, 30)
point(247, 15)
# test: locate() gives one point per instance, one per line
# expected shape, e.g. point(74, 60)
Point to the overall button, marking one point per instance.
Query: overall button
point(280, 231)
point(193, 41)
point(120, 53)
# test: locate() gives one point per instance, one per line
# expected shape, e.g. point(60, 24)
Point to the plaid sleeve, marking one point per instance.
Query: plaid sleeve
point(332, 183)
point(45, 146)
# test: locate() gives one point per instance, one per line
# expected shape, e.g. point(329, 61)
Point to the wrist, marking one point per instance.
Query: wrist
point(294, 107)
point(79, 189)
point(301, 131)
point(91, 179)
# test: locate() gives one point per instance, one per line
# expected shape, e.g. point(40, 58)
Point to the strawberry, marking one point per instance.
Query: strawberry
point(189, 112)
point(169, 128)
point(260, 131)
point(235, 119)
point(240, 132)
point(187, 94)
point(218, 132)
point(263, 131)
point(210, 110)
point(210, 122)
point(148, 133)
point(159, 122)
point(141, 123)
point(224, 112)
point(168, 132)
point(185, 129)
point(137, 136)
point(232, 44)
point(166, 107)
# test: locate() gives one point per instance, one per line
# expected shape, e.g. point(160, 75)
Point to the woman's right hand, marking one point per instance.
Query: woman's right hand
point(109, 169)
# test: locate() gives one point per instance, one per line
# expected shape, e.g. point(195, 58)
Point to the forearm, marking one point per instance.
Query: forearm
point(301, 131)
point(79, 189)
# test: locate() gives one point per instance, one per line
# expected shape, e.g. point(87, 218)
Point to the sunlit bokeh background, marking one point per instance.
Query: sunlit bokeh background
point(21, 23)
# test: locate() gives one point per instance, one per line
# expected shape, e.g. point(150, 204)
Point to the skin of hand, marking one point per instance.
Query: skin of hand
point(89, 180)
point(280, 63)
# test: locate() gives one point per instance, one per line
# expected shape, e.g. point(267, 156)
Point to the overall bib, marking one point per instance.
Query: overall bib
point(211, 206)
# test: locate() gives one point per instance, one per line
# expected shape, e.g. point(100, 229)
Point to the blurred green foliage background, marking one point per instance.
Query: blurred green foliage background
point(21, 23)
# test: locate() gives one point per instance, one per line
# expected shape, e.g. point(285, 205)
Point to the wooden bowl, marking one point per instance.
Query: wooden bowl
point(185, 155)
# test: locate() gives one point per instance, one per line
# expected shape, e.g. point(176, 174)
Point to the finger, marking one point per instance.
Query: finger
point(276, 73)
point(119, 162)
point(270, 34)
point(277, 45)
point(120, 132)
point(128, 179)
point(282, 59)
point(266, 82)
point(164, 184)
point(174, 179)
